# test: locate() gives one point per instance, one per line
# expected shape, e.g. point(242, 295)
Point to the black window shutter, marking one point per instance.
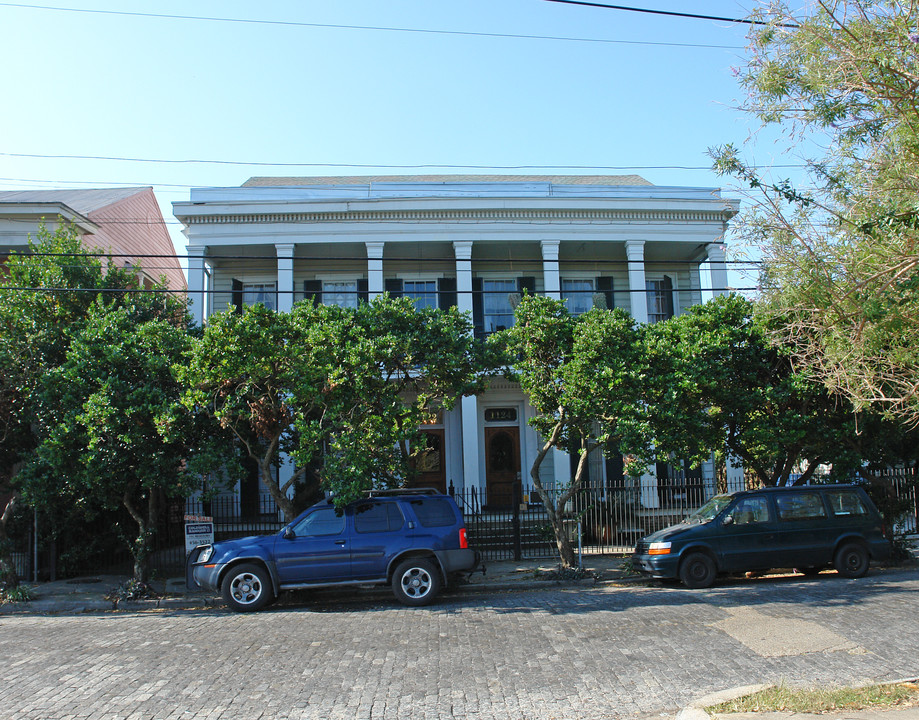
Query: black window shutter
point(478, 307)
point(615, 470)
point(363, 293)
point(668, 296)
point(527, 283)
point(312, 291)
point(393, 286)
point(605, 286)
point(446, 293)
point(237, 299)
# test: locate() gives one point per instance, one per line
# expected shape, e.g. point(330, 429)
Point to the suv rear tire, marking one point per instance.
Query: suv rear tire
point(416, 582)
point(698, 571)
point(247, 588)
point(852, 560)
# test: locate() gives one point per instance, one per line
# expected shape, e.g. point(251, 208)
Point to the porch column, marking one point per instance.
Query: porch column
point(463, 253)
point(550, 273)
point(469, 405)
point(374, 269)
point(197, 299)
point(717, 268)
point(285, 277)
point(638, 295)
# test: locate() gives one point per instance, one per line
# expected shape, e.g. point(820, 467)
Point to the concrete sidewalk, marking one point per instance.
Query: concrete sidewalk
point(92, 594)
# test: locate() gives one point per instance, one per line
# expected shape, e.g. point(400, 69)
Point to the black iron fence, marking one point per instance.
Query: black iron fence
point(599, 518)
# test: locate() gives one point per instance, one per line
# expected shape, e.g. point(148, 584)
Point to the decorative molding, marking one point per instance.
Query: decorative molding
point(458, 216)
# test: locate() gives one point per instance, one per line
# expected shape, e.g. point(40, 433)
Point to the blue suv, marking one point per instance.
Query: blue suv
point(414, 541)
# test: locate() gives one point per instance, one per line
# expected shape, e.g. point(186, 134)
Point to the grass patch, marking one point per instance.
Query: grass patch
point(785, 698)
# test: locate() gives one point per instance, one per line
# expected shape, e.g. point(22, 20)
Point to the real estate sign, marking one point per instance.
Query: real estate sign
point(199, 530)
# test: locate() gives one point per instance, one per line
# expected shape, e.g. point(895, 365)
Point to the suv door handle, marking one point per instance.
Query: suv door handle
point(339, 542)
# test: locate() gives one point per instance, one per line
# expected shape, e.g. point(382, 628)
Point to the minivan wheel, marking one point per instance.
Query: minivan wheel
point(852, 560)
point(416, 582)
point(247, 588)
point(698, 571)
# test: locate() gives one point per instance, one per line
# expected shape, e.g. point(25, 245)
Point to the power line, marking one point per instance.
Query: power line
point(694, 16)
point(420, 166)
point(292, 23)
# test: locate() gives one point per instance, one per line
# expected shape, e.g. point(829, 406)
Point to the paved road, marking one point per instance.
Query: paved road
point(605, 652)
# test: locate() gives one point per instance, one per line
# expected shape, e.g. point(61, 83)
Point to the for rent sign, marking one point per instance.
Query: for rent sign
point(199, 530)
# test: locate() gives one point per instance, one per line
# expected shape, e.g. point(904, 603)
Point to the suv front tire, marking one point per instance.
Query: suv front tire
point(247, 588)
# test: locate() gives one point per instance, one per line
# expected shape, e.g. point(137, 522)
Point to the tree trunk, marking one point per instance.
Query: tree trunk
point(140, 548)
point(9, 580)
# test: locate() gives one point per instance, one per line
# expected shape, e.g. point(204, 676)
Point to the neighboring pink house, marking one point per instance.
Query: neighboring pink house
point(125, 222)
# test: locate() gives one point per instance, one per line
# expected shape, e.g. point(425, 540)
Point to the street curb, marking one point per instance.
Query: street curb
point(696, 709)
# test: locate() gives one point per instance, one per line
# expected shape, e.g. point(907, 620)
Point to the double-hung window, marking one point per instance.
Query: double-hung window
point(660, 299)
point(340, 292)
point(496, 303)
point(264, 293)
point(578, 295)
point(422, 292)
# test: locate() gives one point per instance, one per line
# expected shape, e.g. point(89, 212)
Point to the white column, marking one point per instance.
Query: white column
point(374, 269)
point(717, 268)
point(469, 405)
point(197, 300)
point(463, 253)
point(638, 297)
point(561, 465)
point(550, 274)
point(285, 277)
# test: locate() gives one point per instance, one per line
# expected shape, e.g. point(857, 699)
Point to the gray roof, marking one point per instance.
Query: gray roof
point(82, 201)
point(370, 179)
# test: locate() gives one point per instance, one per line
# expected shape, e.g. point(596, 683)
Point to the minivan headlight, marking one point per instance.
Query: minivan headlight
point(659, 548)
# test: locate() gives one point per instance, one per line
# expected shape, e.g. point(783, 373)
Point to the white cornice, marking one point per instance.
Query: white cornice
point(718, 215)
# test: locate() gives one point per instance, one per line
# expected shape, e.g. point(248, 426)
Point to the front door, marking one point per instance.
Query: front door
point(502, 465)
point(429, 463)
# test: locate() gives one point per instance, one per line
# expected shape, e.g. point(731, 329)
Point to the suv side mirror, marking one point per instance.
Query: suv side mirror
point(288, 534)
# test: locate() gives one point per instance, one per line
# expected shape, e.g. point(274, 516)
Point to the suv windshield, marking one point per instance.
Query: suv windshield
point(707, 512)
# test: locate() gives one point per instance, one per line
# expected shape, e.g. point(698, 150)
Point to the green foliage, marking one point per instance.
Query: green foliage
point(715, 381)
point(98, 419)
point(582, 375)
point(842, 258)
point(341, 391)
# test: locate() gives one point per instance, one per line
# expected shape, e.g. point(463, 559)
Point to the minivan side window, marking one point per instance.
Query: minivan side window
point(751, 510)
point(800, 506)
point(846, 502)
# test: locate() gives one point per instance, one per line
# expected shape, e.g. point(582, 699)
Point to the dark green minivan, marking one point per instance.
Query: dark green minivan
point(810, 527)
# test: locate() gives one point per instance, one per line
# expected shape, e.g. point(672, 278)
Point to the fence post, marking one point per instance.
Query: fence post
point(518, 550)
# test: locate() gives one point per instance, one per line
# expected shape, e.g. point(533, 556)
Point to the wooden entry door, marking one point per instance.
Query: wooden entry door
point(429, 463)
point(502, 465)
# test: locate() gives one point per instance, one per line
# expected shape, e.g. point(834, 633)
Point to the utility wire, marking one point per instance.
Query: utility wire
point(694, 16)
point(291, 23)
point(172, 161)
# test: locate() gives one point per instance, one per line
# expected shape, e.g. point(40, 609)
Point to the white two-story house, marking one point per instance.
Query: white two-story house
point(472, 241)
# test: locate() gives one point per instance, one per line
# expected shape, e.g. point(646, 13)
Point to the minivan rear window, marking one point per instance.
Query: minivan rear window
point(434, 512)
point(799, 506)
point(846, 502)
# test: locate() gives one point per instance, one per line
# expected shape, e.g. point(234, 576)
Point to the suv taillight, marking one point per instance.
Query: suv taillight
point(464, 542)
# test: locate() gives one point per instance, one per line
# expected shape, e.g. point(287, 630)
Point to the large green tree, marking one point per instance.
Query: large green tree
point(45, 293)
point(841, 250)
point(341, 391)
point(114, 432)
point(76, 343)
point(715, 383)
point(582, 375)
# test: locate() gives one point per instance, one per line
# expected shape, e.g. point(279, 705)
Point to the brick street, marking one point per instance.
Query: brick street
point(629, 651)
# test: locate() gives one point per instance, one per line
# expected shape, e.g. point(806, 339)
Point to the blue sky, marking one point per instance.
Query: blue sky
point(364, 100)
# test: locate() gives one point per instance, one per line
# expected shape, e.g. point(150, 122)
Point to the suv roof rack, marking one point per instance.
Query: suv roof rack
point(403, 491)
